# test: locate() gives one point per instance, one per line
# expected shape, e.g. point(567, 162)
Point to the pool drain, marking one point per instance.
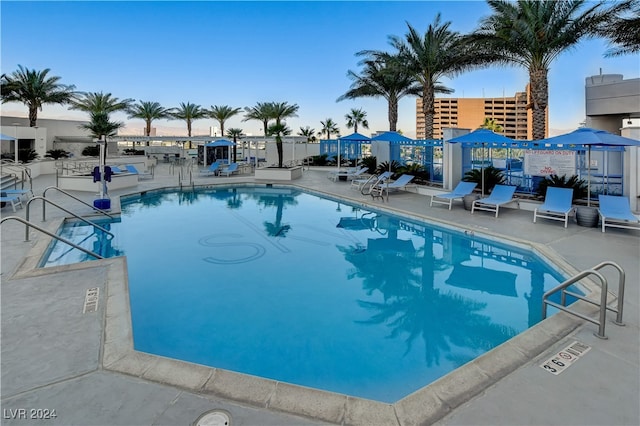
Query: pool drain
point(214, 418)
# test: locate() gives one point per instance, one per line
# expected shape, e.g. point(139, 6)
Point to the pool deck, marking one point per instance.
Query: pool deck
point(54, 357)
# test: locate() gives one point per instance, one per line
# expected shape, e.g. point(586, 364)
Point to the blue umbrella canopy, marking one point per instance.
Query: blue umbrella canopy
point(481, 136)
point(6, 138)
point(220, 142)
point(355, 137)
point(589, 136)
point(392, 137)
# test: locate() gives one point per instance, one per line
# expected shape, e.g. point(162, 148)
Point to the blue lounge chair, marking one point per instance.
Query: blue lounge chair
point(373, 181)
point(462, 189)
point(233, 167)
point(212, 170)
point(18, 193)
point(615, 212)
point(132, 169)
point(500, 195)
point(556, 206)
point(14, 200)
point(401, 183)
point(348, 174)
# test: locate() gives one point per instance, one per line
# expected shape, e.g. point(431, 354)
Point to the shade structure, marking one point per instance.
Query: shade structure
point(589, 137)
point(216, 144)
point(393, 138)
point(482, 136)
point(4, 137)
point(354, 137)
point(483, 279)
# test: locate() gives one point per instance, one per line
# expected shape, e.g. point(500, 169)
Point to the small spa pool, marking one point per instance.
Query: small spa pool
point(288, 285)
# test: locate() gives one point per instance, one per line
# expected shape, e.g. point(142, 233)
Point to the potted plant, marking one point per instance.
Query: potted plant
point(585, 215)
point(492, 177)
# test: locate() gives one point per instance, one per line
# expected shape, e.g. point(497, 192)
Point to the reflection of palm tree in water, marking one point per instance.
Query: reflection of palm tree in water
point(277, 229)
point(413, 306)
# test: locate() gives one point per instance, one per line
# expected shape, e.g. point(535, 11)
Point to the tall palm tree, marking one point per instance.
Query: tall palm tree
point(279, 130)
point(188, 112)
point(260, 112)
point(279, 112)
point(532, 33)
point(99, 102)
point(491, 124)
point(622, 31)
point(222, 113)
point(235, 134)
point(148, 111)
point(382, 76)
point(34, 89)
point(329, 127)
point(308, 133)
point(438, 53)
point(356, 116)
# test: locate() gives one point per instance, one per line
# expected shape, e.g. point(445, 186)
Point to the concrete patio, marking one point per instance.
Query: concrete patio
point(53, 355)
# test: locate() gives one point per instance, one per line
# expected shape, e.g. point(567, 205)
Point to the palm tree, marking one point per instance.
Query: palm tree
point(280, 111)
point(279, 130)
point(99, 102)
point(382, 76)
point(260, 112)
point(532, 33)
point(308, 133)
point(188, 112)
point(235, 134)
point(623, 32)
point(34, 89)
point(439, 53)
point(491, 124)
point(356, 116)
point(329, 127)
point(222, 113)
point(148, 111)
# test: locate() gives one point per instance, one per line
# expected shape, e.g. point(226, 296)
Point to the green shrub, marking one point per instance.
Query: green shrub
point(320, 160)
point(385, 167)
point(57, 153)
point(579, 185)
point(492, 177)
point(26, 155)
point(417, 170)
point(370, 163)
point(91, 151)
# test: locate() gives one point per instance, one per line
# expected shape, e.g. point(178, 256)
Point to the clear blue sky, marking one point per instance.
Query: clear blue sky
point(239, 53)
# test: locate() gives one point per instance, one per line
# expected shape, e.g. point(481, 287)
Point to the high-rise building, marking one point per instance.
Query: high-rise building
point(469, 113)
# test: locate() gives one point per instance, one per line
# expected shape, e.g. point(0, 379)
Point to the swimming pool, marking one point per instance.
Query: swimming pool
point(286, 285)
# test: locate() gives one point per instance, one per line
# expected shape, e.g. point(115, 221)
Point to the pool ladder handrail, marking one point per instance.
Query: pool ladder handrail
point(44, 194)
point(600, 322)
point(44, 200)
point(51, 234)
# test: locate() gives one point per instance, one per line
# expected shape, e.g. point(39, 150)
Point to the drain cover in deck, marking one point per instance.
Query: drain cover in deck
point(214, 418)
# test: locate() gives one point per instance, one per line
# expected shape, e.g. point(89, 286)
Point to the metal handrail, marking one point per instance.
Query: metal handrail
point(603, 297)
point(52, 235)
point(44, 194)
point(26, 235)
point(24, 171)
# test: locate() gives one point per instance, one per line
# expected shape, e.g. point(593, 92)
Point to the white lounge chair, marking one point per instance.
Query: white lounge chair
point(615, 212)
point(462, 189)
point(401, 183)
point(366, 186)
point(144, 175)
point(348, 174)
point(556, 206)
point(14, 200)
point(233, 167)
point(500, 196)
point(212, 170)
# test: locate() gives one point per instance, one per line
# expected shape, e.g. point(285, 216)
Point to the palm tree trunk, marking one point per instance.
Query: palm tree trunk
point(428, 110)
point(279, 148)
point(148, 130)
point(539, 89)
point(393, 114)
point(33, 116)
point(355, 127)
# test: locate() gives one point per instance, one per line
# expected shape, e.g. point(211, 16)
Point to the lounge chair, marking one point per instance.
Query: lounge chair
point(233, 167)
point(348, 174)
point(556, 206)
point(462, 189)
point(615, 212)
point(14, 200)
point(365, 186)
point(132, 169)
point(500, 195)
point(401, 183)
point(18, 193)
point(212, 170)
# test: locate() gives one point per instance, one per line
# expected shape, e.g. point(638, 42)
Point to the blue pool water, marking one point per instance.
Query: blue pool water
point(282, 284)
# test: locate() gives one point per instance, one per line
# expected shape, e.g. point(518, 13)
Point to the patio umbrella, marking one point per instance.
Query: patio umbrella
point(354, 137)
point(482, 136)
point(588, 137)
point(218, 143)
point(394, 138)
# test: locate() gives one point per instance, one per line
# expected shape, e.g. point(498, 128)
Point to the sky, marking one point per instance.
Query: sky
point(240, 53)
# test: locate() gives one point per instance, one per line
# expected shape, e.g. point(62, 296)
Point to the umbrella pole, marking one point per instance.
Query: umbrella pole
point(589, 176)
point(338, 171)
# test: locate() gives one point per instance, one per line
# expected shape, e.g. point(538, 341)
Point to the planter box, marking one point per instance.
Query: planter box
point(587, 216)
point(274, 173)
